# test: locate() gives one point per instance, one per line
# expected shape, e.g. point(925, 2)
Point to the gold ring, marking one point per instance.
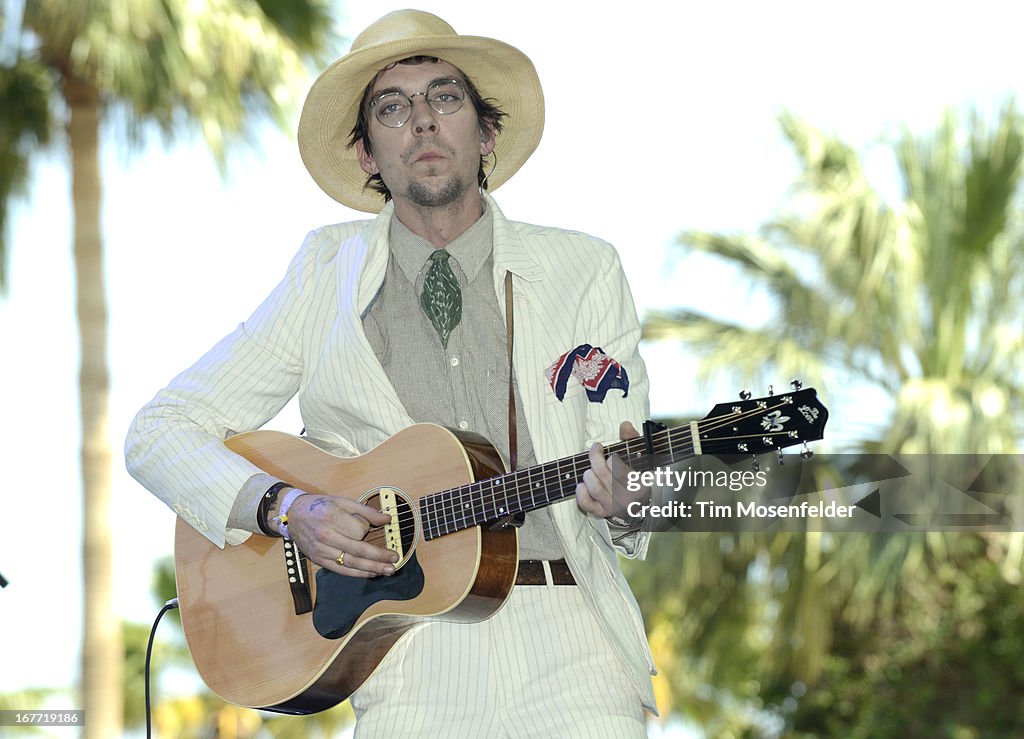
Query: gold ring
point(341, 560)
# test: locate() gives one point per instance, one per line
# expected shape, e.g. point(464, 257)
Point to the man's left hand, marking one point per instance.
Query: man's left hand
point(603, 491)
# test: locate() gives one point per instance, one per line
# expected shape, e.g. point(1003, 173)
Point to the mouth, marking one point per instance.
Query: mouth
point(427, 156)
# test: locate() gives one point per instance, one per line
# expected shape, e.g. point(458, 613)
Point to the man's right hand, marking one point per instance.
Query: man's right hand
point(325, 527)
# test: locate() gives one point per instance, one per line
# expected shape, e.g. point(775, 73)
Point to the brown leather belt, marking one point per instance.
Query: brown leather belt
point(531, 572)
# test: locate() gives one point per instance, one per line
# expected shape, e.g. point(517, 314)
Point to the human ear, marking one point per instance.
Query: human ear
point(366, 161)
point(487, 140)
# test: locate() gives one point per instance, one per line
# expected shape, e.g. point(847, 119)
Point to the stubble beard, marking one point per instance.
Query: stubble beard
point(449, 192)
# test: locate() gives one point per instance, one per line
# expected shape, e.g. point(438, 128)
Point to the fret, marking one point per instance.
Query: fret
point(531, 487)
point(633, 457)
point(445, 506)
point(463, 508)
point(503, 508)
point(496, 496)
point(427, 517)
point(486, 499)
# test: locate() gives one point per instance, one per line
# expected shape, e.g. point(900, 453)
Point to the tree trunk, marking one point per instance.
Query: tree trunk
point(102, 648)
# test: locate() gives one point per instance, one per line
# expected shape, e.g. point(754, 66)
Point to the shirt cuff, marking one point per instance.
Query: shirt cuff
point(247, 502)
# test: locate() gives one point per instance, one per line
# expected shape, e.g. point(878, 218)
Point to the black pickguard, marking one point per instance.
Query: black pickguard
point(341, 600)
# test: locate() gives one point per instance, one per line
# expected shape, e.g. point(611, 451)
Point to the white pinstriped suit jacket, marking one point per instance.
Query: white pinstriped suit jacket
point(307, 338)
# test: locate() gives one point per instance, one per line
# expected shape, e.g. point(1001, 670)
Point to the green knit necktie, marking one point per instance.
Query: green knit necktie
point(441, 299)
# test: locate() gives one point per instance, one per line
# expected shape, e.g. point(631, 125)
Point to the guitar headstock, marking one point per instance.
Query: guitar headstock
point(758, 425)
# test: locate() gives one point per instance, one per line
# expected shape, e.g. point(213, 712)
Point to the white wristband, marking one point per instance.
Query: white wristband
point(281, 519)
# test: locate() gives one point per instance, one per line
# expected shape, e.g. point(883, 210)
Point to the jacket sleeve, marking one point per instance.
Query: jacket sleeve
point(175, 446)
point(611, 315)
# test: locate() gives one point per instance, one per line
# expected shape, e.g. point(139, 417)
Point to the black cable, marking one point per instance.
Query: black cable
point(172, 603)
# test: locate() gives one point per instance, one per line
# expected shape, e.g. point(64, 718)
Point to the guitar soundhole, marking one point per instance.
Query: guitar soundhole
point(401, 534)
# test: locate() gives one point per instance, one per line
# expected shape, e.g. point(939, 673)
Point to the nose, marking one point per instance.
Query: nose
point(424, 117)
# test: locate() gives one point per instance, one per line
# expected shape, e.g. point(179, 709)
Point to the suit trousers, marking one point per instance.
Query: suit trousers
point(540, 667)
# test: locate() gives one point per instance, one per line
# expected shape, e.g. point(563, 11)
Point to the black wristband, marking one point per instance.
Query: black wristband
point(264, 508)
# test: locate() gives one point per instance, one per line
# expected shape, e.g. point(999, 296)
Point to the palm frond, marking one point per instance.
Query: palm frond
point(26, 92)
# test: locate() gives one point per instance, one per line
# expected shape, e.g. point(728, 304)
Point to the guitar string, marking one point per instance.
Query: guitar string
point(454, 512)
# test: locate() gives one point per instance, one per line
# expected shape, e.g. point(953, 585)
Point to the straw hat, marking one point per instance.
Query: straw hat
point(498, 70)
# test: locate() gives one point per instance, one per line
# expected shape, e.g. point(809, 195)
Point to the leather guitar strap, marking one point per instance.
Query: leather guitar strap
point(513, 452)
point(516, 519)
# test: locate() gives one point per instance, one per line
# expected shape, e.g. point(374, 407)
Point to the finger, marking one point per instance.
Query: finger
point(355, 566)
point(627, 431)
point(369, 551)
point(348, 569)
point(594, 497)
point(599, 463)
point(373, 516)
point(587, 502)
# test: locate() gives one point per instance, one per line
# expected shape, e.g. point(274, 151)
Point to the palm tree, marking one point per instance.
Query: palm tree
point(921, 298)
point(217, 66)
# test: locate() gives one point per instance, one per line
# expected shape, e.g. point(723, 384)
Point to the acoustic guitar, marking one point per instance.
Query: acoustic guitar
point(246, 609)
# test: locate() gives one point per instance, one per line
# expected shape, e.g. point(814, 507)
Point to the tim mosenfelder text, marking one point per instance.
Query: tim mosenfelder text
point(735, 481)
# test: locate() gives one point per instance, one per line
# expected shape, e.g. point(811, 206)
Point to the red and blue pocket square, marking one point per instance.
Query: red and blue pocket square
point(595, 370)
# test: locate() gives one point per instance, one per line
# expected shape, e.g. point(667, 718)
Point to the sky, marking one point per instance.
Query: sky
point(660, 117)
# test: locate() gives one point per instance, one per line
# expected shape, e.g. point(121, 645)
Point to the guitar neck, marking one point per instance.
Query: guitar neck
point(534, 487)
point(742, 427)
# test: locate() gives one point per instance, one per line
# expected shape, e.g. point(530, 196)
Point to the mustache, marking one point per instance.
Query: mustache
point(432, 144)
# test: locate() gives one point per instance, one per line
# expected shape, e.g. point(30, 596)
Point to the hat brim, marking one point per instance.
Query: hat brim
point(498, 70)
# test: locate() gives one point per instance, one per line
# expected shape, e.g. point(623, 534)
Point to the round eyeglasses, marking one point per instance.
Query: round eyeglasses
point(394, 108)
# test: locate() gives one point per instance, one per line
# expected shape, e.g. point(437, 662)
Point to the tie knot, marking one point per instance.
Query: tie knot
point(440, 255)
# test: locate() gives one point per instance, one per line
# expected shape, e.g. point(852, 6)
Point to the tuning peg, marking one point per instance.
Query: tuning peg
point(806, 453)
point(796, 384)
point(781, 460)
point(745, 395)
point(756, 465)
point(771, 390)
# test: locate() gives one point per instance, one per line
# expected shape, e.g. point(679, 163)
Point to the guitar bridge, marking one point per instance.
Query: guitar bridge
point(392, 529)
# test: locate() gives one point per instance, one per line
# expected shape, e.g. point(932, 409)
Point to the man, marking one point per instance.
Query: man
point(402, 319)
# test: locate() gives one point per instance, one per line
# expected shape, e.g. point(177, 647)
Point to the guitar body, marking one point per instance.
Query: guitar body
point(237, 611)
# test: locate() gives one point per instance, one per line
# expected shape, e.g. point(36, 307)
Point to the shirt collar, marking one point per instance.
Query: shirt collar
point(470, 249)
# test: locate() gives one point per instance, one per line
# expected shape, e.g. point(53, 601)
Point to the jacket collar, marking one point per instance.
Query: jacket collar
point(510, 253)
